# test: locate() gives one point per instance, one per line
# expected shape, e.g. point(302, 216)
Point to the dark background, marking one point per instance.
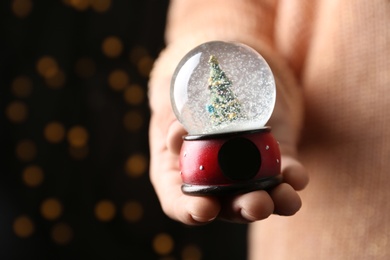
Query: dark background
point(74, 145)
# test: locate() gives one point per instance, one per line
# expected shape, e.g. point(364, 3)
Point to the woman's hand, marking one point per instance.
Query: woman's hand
point(165, 142)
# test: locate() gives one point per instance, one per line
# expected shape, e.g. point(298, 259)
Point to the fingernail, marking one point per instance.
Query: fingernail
point(247, 216)
point(202, 219)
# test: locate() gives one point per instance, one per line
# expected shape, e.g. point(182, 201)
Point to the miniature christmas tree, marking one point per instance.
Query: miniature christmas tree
point(223, 106)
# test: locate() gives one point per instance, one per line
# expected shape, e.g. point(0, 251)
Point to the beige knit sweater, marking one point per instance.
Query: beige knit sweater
point(338, 51)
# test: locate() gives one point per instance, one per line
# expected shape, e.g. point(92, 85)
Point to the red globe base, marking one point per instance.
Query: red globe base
point(238, 162)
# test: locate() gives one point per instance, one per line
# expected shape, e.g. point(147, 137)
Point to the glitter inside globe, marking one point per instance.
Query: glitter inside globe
point(222, 87)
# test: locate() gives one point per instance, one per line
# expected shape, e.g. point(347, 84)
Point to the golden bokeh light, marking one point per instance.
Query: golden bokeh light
point(191, 252)
point(136, 165)
point(100, 6)
point(134, 94)
point(62, 233)
point(23, 226)
point(47, 67)
point(56, 80)
point(16, 112)
point(54, 132)
point(105, 210)
point(85, 67)
point(79, 5)
point(51, 208)
point(132, 211)
point(145, 65)
point(32, 175)
point(133, 121)
point(41, 111)
point(78, 136)
point(26, 150)
point(21, 8)
point(163, 244)
point(112, 46)
point(21, 86)
point(118, 79)
point(78, 153)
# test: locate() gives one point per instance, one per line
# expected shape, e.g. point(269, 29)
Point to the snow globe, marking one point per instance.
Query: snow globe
point(223, 93)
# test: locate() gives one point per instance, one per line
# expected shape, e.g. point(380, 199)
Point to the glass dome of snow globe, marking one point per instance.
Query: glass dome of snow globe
point(222, 87)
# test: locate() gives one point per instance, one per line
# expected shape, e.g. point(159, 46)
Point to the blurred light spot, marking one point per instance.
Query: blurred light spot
point(57, 80)
point(191, 252)
point(163, 244)
point(32, 175)
point(78, 153)
point(23, 226)
point(112, 46)
point(137, 53)
point(134, 94)
point(79, 5)
point(100, 6)
point(118, 79)
point(26, 150)
point(16, 112)
point(105, 210)
point(47, 67)
point(132, 211)
point(21, 8)
point(136, 165)
point(54, 132)
point(145, 65)
point(133, 121)
point(51, 208)
point(21, 86)
point(85, 67)
point(62, 233)
point(78, 136)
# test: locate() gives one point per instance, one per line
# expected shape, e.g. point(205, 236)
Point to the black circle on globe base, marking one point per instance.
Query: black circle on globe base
point(239, 159)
